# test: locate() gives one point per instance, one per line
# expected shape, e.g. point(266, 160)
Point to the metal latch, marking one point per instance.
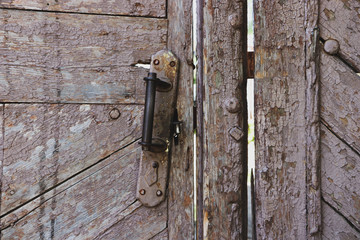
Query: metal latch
point(160, 102)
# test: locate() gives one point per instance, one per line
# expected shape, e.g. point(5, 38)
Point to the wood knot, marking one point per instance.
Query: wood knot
point(232, 105)
point(234, 20)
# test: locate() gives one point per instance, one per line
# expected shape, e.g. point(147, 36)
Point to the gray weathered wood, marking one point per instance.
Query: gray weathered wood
point(287, 120)
point(222, 93)
point(340, 20)
point(181, 184)
point(340, 99)
point(46, 144)
point(75, 58)
point(340, 177)
point(335, 227)
point(93, 204)
point(154, 8)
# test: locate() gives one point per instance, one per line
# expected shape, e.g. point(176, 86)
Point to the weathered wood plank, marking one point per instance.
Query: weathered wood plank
point(89, 205)
point(145, 223)
point(46, 144)
point(287, 120)
point(340, 20)
point(340, 99)
point(75, 58)
point(153, 8)
point(222, 102)
point(181, 178)
point(335, 227)
point(340, 177)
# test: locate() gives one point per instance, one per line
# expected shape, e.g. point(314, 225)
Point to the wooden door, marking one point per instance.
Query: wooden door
point(72, 100)
point(307, 119)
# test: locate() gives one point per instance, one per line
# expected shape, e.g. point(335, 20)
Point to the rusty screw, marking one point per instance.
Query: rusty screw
point(172, 64)
point(155, 164)
point(114, 113)
point(142, 191)
point(158, 193)
point(156, 62)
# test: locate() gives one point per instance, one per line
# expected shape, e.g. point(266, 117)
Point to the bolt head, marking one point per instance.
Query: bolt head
point(156, 62)
point(114, 113)
point(172, 64)
point(331, 46)
point(158, 193)
point(142, 191)
point(236, 133)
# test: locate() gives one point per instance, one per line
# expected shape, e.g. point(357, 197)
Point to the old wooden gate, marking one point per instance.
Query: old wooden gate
point(307, 119)
point(72, 95)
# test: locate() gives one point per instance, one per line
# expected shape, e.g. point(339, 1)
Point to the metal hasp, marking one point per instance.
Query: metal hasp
point(160, 103)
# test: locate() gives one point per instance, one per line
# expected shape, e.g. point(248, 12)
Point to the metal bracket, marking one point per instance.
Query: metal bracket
point(153, 173)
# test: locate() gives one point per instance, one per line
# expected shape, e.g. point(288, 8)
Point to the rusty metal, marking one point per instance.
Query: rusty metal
point(158, 128)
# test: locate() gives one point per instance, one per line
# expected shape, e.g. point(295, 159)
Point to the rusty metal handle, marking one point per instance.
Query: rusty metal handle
point(152, 83)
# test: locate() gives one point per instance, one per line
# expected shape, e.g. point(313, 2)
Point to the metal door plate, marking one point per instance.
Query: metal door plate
point(153, 172)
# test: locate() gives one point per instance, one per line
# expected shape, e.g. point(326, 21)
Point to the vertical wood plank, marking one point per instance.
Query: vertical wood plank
point(181, 194)
point(312, 116)
point(222, 92)
point(287, 120)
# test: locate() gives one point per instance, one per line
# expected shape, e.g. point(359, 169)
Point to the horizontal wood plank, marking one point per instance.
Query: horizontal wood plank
point(340, 98)
point(153, 8)
point(335, 227)
point(340, 20)
point(90, 204)
point(72, 58)
point(340, 176)
point(44, 144)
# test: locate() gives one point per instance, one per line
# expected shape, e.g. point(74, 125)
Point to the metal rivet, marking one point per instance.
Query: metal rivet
point(232, 105)
point(142, 191)
point(331, 46)
point(234, 20)
point(12, 192)
point(236, 133)
point(155, 164)
point(172, 64)
point(158, 193)
point(114, 113)
point(156, 62)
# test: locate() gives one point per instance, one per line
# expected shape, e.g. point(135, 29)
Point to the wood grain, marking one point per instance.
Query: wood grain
point(90, 205)
point(287, 120)
point(153, 8)
point(181, 178)
point(335, 227)
point(340, 20)
point(46, 144)
point(340, 177)
point(75, 58)
point(222, 93)
point(340, 99)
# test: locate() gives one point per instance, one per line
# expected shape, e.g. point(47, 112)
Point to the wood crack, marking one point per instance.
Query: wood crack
point(122, 216)
point(63, 182)
point(338, 212)
point(157, 234)
point(325, 124)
